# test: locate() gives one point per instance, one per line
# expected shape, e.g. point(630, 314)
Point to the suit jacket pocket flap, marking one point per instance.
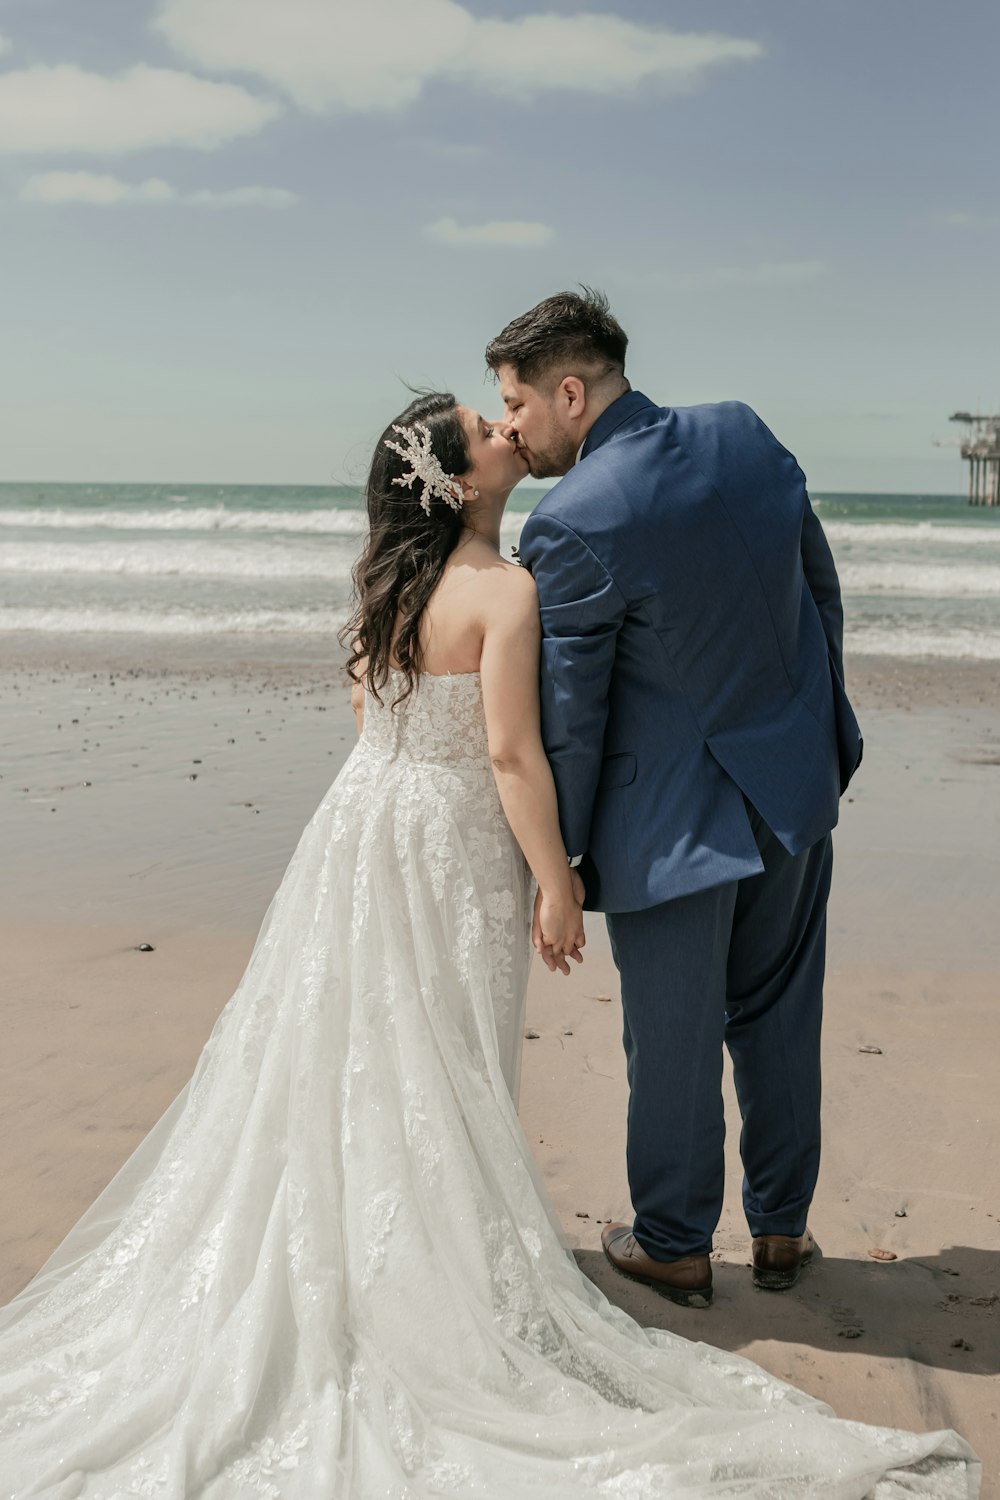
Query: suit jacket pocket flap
point(617, 770)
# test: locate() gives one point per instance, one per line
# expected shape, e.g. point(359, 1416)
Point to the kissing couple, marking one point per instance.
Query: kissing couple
point(330, 1269)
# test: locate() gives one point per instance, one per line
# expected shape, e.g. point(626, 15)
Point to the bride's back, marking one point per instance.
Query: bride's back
point(452, 624)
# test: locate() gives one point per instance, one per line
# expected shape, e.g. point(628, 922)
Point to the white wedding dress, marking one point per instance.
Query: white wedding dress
point(329, 1270)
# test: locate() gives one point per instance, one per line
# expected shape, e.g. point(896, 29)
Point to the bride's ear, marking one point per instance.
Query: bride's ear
point(469, 490)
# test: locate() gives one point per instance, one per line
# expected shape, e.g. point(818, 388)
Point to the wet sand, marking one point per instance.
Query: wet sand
point(157, 799)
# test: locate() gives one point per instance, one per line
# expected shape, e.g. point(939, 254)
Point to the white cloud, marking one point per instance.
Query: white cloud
point(65, 109)
point(326, 54)
point(105, 191)
point(596, 54)
point(340, 54)
point(89, 187)
point(512, 233)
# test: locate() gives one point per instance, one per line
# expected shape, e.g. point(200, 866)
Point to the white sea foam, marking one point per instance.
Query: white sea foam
point(331, 522)
point(83, 621)
point(177, 558)
point(923, 580)
point(929, 533)
point(945, 642)
point(244, 558)
point(953, 644)
point(336, 521)
point(202, 518)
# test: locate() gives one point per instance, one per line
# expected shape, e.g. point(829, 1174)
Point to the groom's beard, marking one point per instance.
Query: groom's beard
point(554, 458)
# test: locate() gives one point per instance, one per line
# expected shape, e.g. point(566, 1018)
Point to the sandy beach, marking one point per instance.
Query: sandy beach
point(154, 797)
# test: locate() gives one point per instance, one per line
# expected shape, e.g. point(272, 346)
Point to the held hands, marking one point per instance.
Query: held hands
point(557, 929)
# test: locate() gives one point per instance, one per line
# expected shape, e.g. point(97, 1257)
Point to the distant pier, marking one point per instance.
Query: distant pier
point(981, 450)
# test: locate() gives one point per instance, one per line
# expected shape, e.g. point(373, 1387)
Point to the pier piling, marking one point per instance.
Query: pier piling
point(981, 451)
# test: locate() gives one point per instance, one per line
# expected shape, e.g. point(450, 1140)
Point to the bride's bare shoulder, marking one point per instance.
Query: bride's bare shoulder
point(479, 594)
point(480, 567)
point(507, 585)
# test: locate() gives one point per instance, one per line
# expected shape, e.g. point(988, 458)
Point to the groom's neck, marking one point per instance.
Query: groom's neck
point(598, 401)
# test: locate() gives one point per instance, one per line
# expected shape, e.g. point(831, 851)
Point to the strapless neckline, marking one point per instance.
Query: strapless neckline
point(435, 676)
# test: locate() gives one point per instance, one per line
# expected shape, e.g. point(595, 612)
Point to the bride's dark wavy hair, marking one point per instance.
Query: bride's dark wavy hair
point(406, 549)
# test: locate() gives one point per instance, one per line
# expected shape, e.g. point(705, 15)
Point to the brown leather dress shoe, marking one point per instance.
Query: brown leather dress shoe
point(687, 1281)
point(778, 1259)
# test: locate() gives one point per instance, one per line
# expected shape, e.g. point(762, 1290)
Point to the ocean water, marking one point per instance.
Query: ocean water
point(920, 573)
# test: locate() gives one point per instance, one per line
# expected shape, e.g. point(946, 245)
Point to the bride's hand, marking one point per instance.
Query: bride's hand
point(557, 929)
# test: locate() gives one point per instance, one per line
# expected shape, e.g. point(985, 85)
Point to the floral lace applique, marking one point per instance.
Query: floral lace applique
point(71, 1389)
point(147, 1479)
point(532, 1242)
point(520, 1309)
point(199, 1278)
point(379, 1215)
point(419, 1137)
point(645, 1483)
point(266, 1459)
point(446, 1475)
point(315, 982)
point(408, 1442)
point(126, 1250)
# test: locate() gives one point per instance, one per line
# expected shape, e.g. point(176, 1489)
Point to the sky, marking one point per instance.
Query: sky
point(230, 230)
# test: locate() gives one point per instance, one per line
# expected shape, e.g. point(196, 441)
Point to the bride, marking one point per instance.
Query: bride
point(329, 1270)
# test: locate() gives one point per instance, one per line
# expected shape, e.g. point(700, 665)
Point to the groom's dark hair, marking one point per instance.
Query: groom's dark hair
point(568, 331)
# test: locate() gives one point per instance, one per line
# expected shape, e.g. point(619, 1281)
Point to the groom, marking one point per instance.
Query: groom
point(700, 737)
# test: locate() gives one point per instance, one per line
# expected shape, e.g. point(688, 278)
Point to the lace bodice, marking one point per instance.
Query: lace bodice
point(441, 722)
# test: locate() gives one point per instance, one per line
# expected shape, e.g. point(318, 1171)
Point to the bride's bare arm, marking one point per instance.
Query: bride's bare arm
point(509, 674)
point(358, 693)
point(358, 704)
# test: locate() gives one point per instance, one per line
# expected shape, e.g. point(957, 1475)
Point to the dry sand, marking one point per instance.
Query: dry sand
point(109, 842)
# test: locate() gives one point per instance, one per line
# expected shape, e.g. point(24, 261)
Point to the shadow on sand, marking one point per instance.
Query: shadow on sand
point(941, 1310)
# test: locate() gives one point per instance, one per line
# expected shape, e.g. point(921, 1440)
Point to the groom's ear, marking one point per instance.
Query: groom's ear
point(571, 395)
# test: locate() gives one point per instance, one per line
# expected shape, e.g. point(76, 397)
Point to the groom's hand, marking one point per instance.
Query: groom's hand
point(555, 951)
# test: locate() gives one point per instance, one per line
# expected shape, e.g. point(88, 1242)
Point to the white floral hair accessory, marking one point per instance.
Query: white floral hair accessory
point(425, 467)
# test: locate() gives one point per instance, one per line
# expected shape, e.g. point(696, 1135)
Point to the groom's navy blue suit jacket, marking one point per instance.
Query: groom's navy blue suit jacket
point(692, 651)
